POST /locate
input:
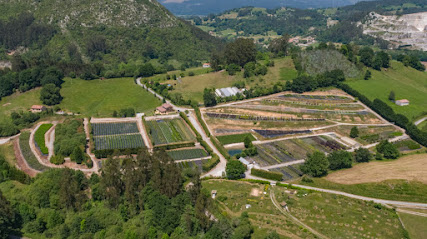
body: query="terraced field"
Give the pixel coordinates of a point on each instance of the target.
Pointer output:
(117, 136)
(169, 131)
(187, 154)
(39, 138)
(293, 149)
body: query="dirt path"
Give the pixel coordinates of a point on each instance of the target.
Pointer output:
(143, 132)
(412, 167)
(420, 121)
(21, 163)
(294, 219)
(95, 168)
(283, 164)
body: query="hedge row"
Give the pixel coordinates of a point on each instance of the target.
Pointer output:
(199, 117)
(267, 174)
(255, 181)
(186, 119)
(388, 113)
(211, 163)
(175, 145)
(220, 148)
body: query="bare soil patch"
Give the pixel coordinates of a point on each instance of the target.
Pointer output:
(412, 167)
(256, 192)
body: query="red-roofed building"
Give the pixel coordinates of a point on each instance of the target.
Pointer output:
(38, 108)
(164, 109)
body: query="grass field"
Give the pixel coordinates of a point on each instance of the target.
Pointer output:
(18, 102)
(333, 216)
(234, 138)
(8, 152)
(412, 168)
(99, 98)
(407, 83)
(39, 137)
(341, 217)
(28, 154)
(400, 190)
(191, 87)
(416, 225)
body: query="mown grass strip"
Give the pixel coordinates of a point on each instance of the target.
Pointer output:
(234, 138)
(39, 137)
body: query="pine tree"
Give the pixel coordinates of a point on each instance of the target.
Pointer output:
(354, 133)
(392, 96)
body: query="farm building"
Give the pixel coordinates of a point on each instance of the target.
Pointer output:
(38, 108)
(213, 193)
(402, 102)
(164, 109)
(207, 65)
(227, 92)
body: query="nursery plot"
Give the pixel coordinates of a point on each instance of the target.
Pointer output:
(290, 172)
(169, 131)
(187, 154)
(323, 143)
(114, 128)
(125, 141)
(193, 164)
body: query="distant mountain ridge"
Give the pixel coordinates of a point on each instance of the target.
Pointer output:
(205, 7)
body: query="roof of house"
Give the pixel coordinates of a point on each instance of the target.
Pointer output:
(213, 191)
(283, 204)
(166, 106)
(206, 64)
(161, 109)
(37, 107)
(403, 101)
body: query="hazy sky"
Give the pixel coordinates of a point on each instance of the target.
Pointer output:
(174, 1)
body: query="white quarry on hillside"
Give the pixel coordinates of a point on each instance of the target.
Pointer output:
(410, 29)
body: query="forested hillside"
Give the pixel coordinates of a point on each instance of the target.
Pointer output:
(112, 31)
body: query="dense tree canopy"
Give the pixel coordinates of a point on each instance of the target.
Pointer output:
(316, 165)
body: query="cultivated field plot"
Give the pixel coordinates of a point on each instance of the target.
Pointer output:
(114, 128)
(290, 172)
(182, 154)
(39, 138)
(117, 136)
(234, 138)
(193, 164)
(169, 131)
(123, 141)
(293, 149)
(288, 114)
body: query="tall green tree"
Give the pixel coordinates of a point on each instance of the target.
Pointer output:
(209, 97)
(240, 52)
(392, 96)
(388, 150)
(7, 217)
(235, 169)
(362, 155)
(316, 164)
(340, 159)
(354, 132)
(50, 95)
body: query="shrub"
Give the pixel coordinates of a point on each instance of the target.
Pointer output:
(276, 176)
(362, 155)
(57, 159)
(340, 159)
(388, 150)
(354, 132)
(316, 165)
(211, 163)
(235, 169)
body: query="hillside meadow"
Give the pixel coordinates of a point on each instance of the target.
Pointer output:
(18, 102)
(406, 82)
(191, 87)
(99, 98)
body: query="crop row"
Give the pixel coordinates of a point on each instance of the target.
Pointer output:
(198, 164)
(289, 172)
(259, 118)
(24, 144)
(187, 154)
(114, 128)
(118, 141)
(169, 131)
(39, 137)
(315, 97)
(277, 133)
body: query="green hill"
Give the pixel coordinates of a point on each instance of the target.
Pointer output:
(113, 31)
(406, 82)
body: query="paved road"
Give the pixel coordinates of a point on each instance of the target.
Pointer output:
(420, 121)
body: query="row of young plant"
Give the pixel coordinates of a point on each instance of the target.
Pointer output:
(388, 113)
(211, 163)
(276, 176)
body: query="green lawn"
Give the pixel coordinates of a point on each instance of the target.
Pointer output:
(18, 102)
(400, 190)
(423, 126)
(406, 82)
(39, 137)
(99, 98)
(234, 138)
(416, 225)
